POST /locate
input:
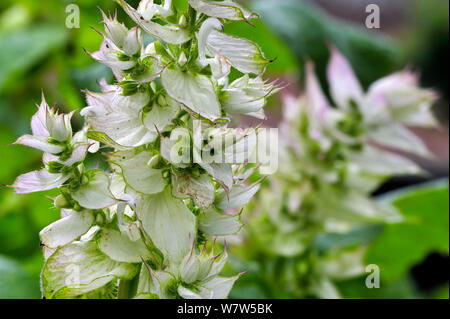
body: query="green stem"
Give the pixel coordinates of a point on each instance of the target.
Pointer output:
(124, 289)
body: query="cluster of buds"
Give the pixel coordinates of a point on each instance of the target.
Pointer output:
(145, 228)
(332, 158)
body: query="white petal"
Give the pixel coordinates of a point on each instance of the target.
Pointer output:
(184, 87)
(169, 223)
(80, 267)
(168, 33)
(226, 9)
(344, 84)
(242, 54)
(202, 37)
(400, 138)
(133, 41)
(199, 189)
(215, 223)
(95, 194)
(38, 181)
(67, 229)
(239, 196)
(138, 174)
(38, 121)
(78, 154)
(378, 162)
(316, 98)
(187, 293)
(59, 126)
(40, 143)
(119, 117)
(119, 247)
(217, 288)
(161, 115)
(399, 98)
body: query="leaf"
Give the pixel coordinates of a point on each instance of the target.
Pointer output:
(16, 282)
(372, 55)
(426, 230)
(273, 47)
(22, 49)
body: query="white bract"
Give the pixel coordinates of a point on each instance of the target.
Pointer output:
(146, 217)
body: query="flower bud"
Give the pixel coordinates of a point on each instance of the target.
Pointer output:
(182, 22)
(162, 100)
(61, 202)
(129, 87)
(84, 180)
(154, 161)
(182, 60)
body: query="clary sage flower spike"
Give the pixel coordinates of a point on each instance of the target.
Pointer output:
(146, 227)
(332, 158)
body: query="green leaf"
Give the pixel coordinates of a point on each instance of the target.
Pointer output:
(425, 230)
(24, 48)
(307, 30)
(16, 282)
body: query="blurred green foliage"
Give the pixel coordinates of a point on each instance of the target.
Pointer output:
(372, 55)
(426, 230)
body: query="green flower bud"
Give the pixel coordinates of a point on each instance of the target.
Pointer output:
(54, 167)
(84, 180)
(61, 202)
(154, 161)
(129, 87)
(182, 22)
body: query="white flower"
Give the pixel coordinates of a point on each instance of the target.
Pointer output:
(143, 17)
(121, 47)
(199, 273)
(226, 9)
(50, 130)
(129, 120)
(240, 53)
(184, 87)
(155, 202)
(247, 96)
